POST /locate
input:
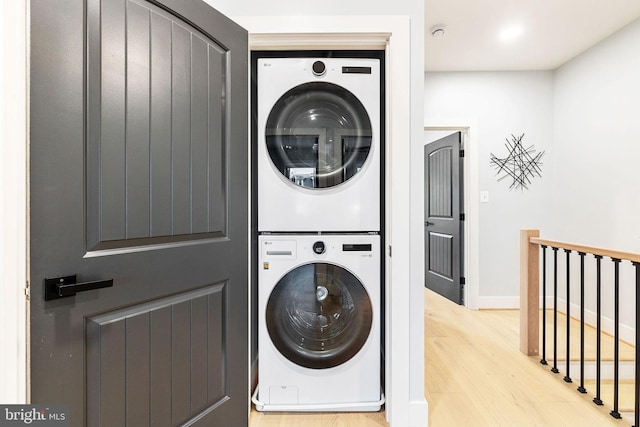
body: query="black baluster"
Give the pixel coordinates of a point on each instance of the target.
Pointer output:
(597, 399)
(616, 337)
(544, 305)
(567, 377)
(637, 384)
(581, 389)
(555, 311)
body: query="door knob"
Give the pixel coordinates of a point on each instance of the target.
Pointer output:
(66, 286)
(427, 223)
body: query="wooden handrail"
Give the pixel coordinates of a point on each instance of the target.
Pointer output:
(630, 256)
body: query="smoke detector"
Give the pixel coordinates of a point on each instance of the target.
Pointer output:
(437, 30)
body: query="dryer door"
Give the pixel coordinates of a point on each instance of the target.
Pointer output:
(319, 315)
(318, 135)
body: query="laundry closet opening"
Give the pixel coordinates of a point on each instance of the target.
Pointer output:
(318, 297)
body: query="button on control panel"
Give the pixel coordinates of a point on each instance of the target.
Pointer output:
(319, 247)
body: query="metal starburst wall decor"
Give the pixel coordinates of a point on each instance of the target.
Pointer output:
(520, 165)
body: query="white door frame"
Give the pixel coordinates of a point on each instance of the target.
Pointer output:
(13, 200)
(468, 128)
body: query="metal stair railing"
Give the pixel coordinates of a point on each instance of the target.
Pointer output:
(531, 245)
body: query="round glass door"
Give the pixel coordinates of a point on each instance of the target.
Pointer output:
(319, 315)
(318, 135)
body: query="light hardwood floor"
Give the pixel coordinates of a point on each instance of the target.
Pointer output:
(475, 376)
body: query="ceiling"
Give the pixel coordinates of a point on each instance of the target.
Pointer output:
(550, 33)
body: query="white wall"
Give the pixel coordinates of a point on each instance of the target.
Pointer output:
(434, 135)
(499, 104)
(597, 143)
(596, 155)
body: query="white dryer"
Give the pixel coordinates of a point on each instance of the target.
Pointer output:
(319, 144)
(319, 323)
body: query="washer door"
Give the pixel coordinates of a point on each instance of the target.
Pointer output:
(319, 315)
(318, 135)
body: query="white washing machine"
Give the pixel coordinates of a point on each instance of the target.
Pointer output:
(318, 144)
(319, 323)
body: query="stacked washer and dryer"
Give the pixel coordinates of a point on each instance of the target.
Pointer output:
(319, 145)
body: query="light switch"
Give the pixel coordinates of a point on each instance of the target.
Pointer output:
(484, 197)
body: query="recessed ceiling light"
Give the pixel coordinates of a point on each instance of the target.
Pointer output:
(511, 33)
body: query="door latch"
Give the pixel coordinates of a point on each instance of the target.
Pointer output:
(67, 286)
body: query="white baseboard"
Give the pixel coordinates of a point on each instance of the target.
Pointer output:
(488, 303)
(419, 413)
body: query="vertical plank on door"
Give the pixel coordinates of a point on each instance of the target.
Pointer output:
(113, 374)
(137, 122)
(112, 121)
(161, 210)
(181, 129)
(216, 343)
(199, 368)
(181, 363)
(199, 135)
(137, 369)
(161, 385)
(216, 153)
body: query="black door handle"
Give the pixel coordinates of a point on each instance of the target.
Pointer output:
(427, 223)
(66, 286)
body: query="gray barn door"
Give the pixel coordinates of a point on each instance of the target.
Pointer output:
(444, 218)
(138, 115)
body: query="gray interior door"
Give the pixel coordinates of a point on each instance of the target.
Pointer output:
(444, 218)
(138, 116)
